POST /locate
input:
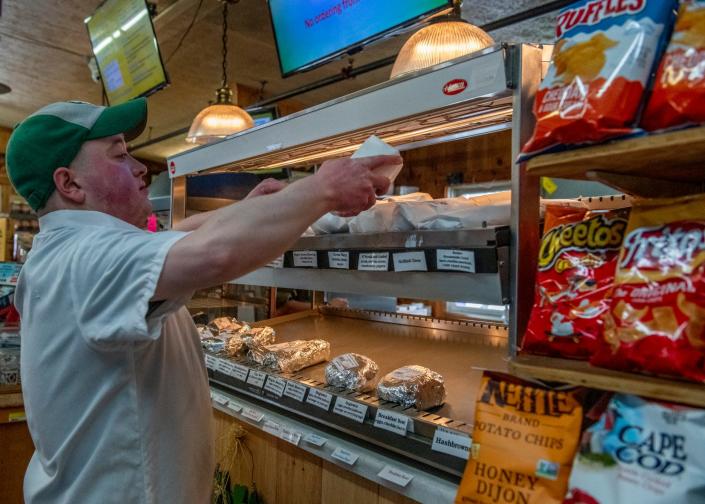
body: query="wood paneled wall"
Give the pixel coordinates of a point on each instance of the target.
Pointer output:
(285, 474)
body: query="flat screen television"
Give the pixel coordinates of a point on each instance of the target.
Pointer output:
(126, 50)
(309, 33)
(263, 115)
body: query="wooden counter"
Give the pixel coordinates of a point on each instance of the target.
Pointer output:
(16, 445)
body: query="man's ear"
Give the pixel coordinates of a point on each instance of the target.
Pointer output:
(67, 185)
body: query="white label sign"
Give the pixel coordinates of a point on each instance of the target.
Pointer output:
(211, 362)
(275, 385)
(219, 398)
(410, 261)
(252, 414)
(290, 435)
(256, 378)
(319, 398)
(339, 260)
(345, 456)
(392, 422)
(305, 259)
(234, 406)
(232, 369)
(373, 261)
(350, 409)
(455, 260)
(277, 263)
(396, 476)
(295, 390)
(315, 440)
(272, 428)
(451, 442)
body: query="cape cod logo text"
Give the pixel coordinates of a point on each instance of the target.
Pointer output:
(593, 12)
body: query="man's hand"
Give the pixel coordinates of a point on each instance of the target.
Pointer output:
(267, 186)
(352, 184)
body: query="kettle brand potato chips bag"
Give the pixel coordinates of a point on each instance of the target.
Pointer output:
(524, 440)
(656, 321)
(600, 67)
(577, 259)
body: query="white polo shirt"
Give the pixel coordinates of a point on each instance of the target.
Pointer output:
(117, 398)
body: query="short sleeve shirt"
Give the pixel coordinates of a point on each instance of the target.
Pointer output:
(115, 387)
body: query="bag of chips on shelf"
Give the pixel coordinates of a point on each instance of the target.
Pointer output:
(656, 320)
(577, 260)
(640, 451)
(601, 63)
(678, 96)
(524, 441)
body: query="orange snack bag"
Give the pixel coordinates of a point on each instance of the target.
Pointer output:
(524, 441)
(656, 321)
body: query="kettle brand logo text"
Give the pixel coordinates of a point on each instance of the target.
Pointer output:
(593, 234)
(527, 399)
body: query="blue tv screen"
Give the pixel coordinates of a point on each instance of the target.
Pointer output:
(311, 32)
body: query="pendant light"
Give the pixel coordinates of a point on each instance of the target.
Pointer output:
(445, 38)
(224, 117)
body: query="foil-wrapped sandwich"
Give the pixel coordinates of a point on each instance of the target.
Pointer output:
(215, 345)
(413, 386)
(290, 356)
(352, 371)
(204, 332)
(226, 325)
(238, 344)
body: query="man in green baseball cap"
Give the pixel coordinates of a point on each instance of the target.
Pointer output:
(113, 375)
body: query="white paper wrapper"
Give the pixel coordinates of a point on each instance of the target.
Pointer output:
(463, 212)
(331, 224)
(352, 371)
(373, 146)
(290, 356)
(413, 386)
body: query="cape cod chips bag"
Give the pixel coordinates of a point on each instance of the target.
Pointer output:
(656, 320)
(577, 259)
(601, 63)
(679, 92)
(642, 452)
(524, 441)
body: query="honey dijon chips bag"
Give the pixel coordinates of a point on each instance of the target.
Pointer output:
(524, 441)
(656, 321)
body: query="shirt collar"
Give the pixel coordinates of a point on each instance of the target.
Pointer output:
(80, 218)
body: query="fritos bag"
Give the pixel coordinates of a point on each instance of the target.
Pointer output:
(577, 259)
(656, 321)
(604, 54)
(679, 92)
(524, 441)
(642, 452)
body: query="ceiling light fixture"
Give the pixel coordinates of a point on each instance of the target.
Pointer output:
(224, 117)
(445, 38)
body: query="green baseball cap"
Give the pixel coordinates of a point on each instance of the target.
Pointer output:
(52, 136)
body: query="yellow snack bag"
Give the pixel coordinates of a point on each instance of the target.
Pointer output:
(524, 441)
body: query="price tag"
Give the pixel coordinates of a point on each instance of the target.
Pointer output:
(339, 260)
(295, 390)
(252, 414)
(396, 476)
(315, 440)
(231, 369)
(211, 362)
(392, 422)
(373, 261)
(410, 261)
(305, 259)
(290, 435)
(345, 456)
(455, 260)
(350, 409)
(272, 428)
(219, 398)
(256, 378)
(275, 385)
(451, 442)
(234, 406)
(277, 263)
(319, 398)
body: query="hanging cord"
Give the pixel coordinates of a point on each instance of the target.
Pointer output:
(188, 29)
(225, 44)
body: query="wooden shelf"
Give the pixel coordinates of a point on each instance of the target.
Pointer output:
(673, 160)
(581, 373)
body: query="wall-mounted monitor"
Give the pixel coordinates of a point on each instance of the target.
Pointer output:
(309, 33)
(262, 115)
(126, 50)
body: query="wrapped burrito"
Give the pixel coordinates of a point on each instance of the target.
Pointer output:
(413, 386)
(238, 344)
(226, 324)
(352, 371)
(290, 356)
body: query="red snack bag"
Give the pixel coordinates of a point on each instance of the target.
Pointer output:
(679, 93)
(601, 63)
(577, 260)
(656, 321)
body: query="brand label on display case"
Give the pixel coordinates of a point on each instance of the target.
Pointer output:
(295, 390)
(319, 398)
(345, 456)
(256, 378)
(350, 409)
(252, 414)
(396, 476)
(339, 260)
(455, 260)
(211, 362)
(452, 443)
(392, 422)
(410, 261)
(305, 259)
(275, 385)
(373, 261)
(315, 440)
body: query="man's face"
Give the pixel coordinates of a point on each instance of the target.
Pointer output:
(112, 180)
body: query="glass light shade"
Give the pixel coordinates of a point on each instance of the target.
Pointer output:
(438, 42)
(218, 121)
